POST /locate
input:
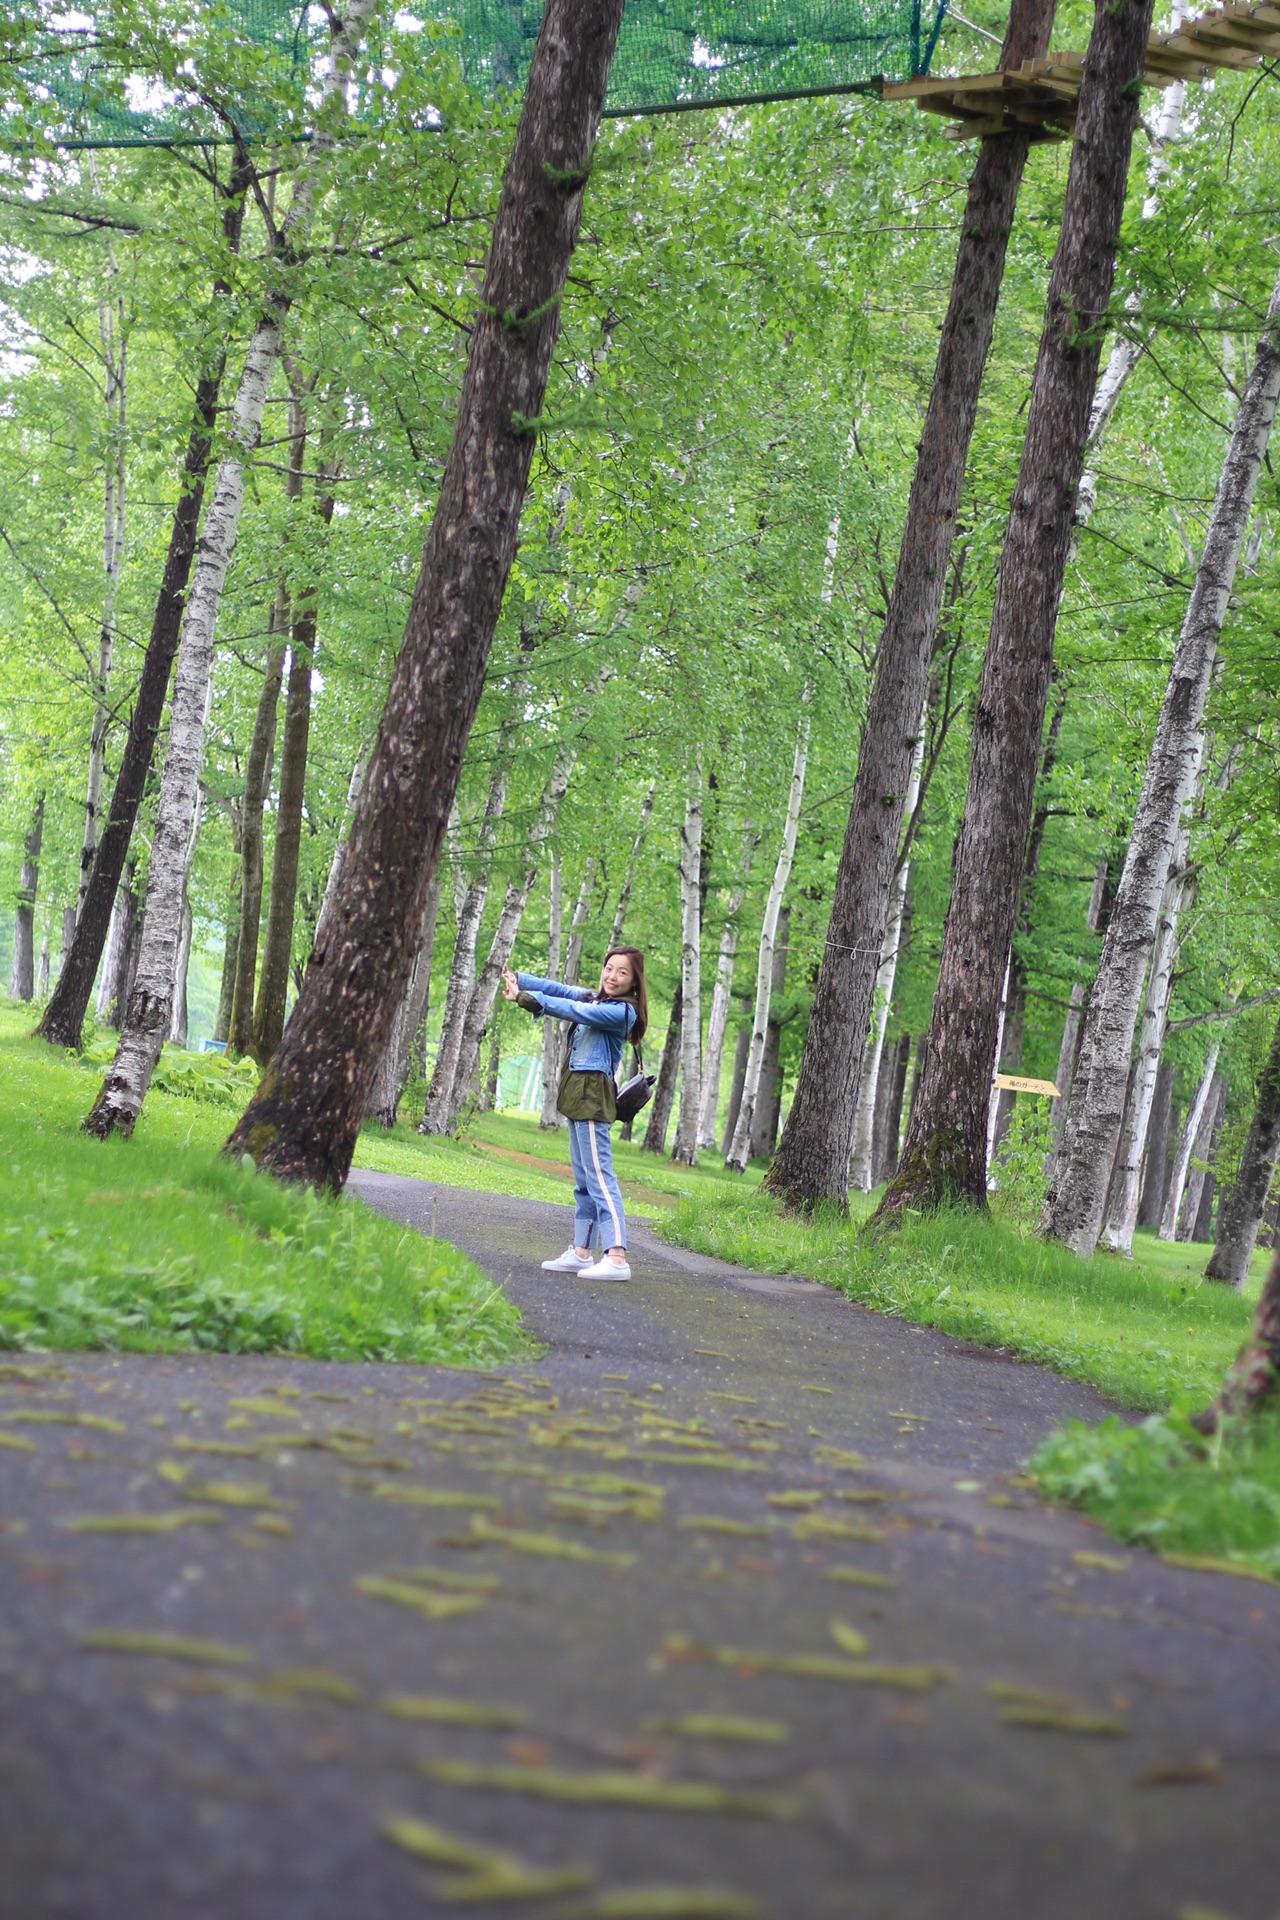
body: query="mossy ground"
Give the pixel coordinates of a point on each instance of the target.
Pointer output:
(159, 1244)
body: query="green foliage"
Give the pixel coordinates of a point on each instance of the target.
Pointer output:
(1159, 1485)
(1145, 1331)
(1020, 1165)
(159, 1244)
(208, 1077)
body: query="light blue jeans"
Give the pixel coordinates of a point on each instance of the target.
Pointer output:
(597, 1198)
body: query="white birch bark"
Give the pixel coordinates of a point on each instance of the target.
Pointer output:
(42, 970)
(740, 1149)
(504, 936)
(549, 1117)
(113, 335)
(1077, 1198)
(1186, 1146)
(861, 1170)
(578, 923)
(150, 1001)
(685, 1150)
(1071, 1025)
(993, 1099)
(178, 1021)
(718, 1019)
(633, 862)
(344, 828)
(384, 1097)
(1126, 1180)
(462, 973)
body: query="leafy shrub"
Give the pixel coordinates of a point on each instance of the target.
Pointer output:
(210, 1077)
(1020, 1167)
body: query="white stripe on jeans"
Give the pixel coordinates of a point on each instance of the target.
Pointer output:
(618, 1235)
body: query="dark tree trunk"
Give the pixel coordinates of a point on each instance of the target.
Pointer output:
(1200, 1180)
(22, 981)
(736, 1085)
(917, 1076)
(126, 948)
(257, 785)
(764, 1129)
(945, 1157)
(1255, 1372)
(489, 1098)
(1242, 1208)
(408, 1031)
(304, 1118)
(1155, 1181)
(277, 946)
(664, 1092)
(63, 1018)
(813, 1160)
(886, 1163)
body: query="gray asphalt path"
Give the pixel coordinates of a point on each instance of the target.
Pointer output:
(528, 1612)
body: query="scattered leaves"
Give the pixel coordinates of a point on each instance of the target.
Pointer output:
(486, 1873)
(547, 1545)
(613, 1789)
(164, 1646)
(433, 1606)
(145, 1522)
(452, 1713)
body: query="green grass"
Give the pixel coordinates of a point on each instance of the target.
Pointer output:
(158, 1244)
(1148, 1331)
(1158, 1485)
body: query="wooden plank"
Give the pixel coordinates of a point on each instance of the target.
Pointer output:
(1210, 50)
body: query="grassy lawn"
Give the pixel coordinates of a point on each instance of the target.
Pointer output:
(158, 1244)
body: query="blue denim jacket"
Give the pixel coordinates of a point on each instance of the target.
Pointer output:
(603, 1025)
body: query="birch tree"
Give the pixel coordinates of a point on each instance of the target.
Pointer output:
(549, 1117)
(685, 1150)
(740, 1148)
(1191, 1133)
(1240, 1213)
(721, 993)
(1077, 1198)
(147, 1019)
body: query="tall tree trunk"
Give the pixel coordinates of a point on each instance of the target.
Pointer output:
(718, 1019)
(685, 1151)
(813, 1160)
(179, 1018)
(384, 1096)
(945, 1157)
(304, 1118)
(462, 972)
(768, 1107)
(354, 785)
(1126, 1180)
(146, 1023)
(1200, 1204)
(113, 338)
(633, 862)
(1242, 1207)
(1095, 916)
(1073, 1211)
(42, 970)
(1201, 1155)
(578, 923)
(861, 1171)
(549, 1118)
(122, 956)
(486, 987)
(257, 785)
(741, 1050)
(231, 942)
(740, 1147)
(664, 1091)
(63, 1018)
(1186, 1146)
(22, 980)
(886, 1161)
(1158, 1167)
(277, 946)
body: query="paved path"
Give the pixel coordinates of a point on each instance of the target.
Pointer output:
(707, 1483)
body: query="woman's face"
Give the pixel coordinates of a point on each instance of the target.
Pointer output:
(618, 976)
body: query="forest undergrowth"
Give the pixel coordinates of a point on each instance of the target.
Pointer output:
(158, 1244)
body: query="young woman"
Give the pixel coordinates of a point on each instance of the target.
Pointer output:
(603, 1022)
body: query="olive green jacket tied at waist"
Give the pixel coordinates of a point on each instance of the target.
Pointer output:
(588, 1089)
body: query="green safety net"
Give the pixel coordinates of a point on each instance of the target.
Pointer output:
(85, 86)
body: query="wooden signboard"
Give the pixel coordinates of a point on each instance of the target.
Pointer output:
(1018, 1083)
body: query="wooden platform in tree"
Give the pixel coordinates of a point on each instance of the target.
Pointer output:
(1041, 94)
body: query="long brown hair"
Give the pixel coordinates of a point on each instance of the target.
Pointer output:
(639, 993)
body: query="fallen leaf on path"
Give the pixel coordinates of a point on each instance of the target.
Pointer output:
(605, 1483)
(723, 1726)
(796, 1499)
(145, 1522)
(675, 1903)
(829, 1526)
(453, 1713)
(743, 1399)
(721, 1523)
(434, 1606)
(596, 1511)
(613, 1789)
(806, 1666)
(413, 1496)
(17, 1443)
(455, 1582)
(1204, 1771)
(847, 1637)
(165, 1646)
(272, 1407)
(1213, 1563)
(241, 1449)
(1047, 1719)
(710, 1353)
(809, 1389)
(839, 1457)
(43, 1417)
(488, 1873)
(273, 1523)
(1104, 1562)
(235, 1493)
(549, 1545)
(859, 1577)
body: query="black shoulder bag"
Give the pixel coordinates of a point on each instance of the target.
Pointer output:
(636, 1092)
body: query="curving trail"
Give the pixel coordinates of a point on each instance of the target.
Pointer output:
(577, 1629)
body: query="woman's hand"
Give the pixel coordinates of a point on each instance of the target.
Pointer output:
(510, 985)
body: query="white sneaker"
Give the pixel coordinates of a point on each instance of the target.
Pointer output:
(605, 1269)
(570, 1261)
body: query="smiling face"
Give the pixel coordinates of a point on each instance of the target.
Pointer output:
(618, 977)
